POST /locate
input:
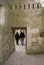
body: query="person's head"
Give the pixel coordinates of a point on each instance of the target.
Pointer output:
(21, 30)
(17, 32)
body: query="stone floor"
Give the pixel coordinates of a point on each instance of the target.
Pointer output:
(20, 58)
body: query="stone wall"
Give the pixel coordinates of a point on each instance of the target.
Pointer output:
(29, 18)
(42, 18)
(26, 17)
(37, 43)
(1, 58)
(43, 25)
(2, 19)
(6, 36)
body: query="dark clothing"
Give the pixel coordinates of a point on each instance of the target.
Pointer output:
(22, 36)
(17, 37)
(17, 42)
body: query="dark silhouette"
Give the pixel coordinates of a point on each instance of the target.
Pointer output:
(17, 38)
(22, 36)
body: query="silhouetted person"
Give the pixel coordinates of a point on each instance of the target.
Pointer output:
(17, 38)
(22, 36)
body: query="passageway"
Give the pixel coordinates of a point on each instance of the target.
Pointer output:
(27, 18)
(22, 59)
(20, 47)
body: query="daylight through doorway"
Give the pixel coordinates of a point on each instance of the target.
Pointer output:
(21, 46)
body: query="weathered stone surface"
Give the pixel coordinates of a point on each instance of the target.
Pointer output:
(29, 18)
(26, 17)
(6, 36)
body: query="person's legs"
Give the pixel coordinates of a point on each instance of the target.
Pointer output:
(22, 41)
(17, 42)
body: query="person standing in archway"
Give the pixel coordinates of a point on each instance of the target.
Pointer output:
(22, 36)
(17, 38)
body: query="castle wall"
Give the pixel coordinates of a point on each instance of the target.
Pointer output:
(23, 16)
(2, 19)
(6, 36)
(26, 17)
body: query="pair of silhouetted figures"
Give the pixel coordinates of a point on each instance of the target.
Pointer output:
(21, 36)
